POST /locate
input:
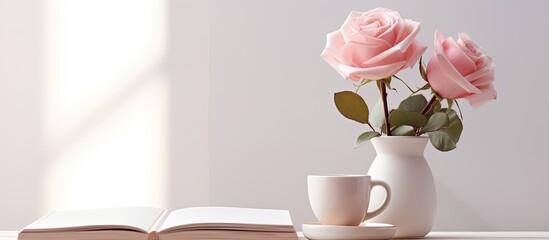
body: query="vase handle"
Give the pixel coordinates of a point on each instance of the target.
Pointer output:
(385, 202)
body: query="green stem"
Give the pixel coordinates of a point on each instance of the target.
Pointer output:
(385, 107)
(371, 127)
(459, 108)
(405, 84)
(429, 105)
(358, 87)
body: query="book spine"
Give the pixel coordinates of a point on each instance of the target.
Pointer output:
(154, 236)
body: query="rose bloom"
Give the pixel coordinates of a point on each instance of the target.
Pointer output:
(373, 45)
(461, 70)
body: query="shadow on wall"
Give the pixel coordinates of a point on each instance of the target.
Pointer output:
(21, 114)
(452, 208)
(187, 69)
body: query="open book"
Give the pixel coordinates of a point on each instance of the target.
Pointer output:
(144, 223)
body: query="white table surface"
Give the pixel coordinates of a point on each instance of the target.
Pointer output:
(480, 236)
(12, 235)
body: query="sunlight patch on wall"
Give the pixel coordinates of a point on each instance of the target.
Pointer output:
(105, 103)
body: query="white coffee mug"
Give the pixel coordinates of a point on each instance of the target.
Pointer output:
(343, 199)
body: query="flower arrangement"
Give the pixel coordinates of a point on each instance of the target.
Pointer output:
(373, 46)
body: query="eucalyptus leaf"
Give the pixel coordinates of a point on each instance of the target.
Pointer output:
(400, 117)
(455, 126)
(414, 103)
(377, 117)
(364, 137)
(436, 122)
(442, 140)
(403, 130)
(352, 106)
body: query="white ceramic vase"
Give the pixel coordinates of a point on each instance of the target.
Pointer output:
(401, 164)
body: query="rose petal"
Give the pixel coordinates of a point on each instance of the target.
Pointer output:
(373, 73)
(394, 56)
(388, 34)
(349, 27)
(397, 49)
(330, 59)
(458, 58)
(369, 40)
(484, 80)
(482, 76)
(462, 43)
(488, 93)
(441, 83)
(409, 33)
(376, 10)
(464, 38)
(414, 53)
(357, 53)
(334, 42)
(399, 28)
(331, 53)
(450, 71)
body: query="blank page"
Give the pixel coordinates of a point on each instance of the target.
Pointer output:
(136, 218)
(205, 215)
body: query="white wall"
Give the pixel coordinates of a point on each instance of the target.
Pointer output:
(22, 159)
(272, 120)
(247, 109)
(103, 103)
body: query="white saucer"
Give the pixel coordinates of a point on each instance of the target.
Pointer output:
(366, 231)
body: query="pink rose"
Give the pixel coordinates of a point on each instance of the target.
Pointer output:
(461, 70)
(373, 45)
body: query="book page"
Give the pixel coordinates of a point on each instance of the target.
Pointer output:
(131, 218)
(226, 215)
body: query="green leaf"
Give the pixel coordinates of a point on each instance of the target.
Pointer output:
(364, 137)
(400, 117)
(435, 122)
(422, 69)
(414, 103)
(351, 106)
(425, 87)
(377, 117)
(442, 140)
(384, 129)
(403, 130)
(455, 126)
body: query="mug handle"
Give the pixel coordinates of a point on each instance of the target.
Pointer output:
(385, 202)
